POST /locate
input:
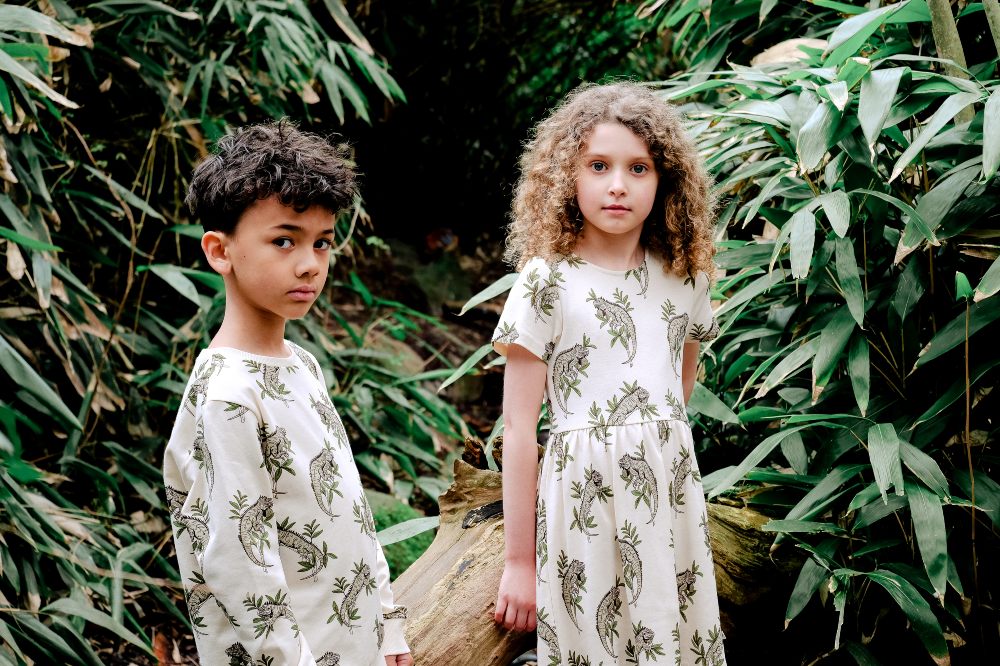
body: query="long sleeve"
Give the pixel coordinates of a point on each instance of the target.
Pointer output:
(393, 615)
(241, 566)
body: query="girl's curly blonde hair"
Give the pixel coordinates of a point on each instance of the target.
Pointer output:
(546, 220)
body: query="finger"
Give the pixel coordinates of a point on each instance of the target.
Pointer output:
(510, 617)
(390, 660)
(522, 620)
(532, 620)
(501, 609)
(405, 660)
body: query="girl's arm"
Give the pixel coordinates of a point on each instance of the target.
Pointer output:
(689, 368)
(523, 388)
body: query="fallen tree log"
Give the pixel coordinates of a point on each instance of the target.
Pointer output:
(450, 592)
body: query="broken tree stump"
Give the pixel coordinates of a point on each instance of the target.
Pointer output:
(450, 592)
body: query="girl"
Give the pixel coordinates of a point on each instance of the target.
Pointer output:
(612, 233)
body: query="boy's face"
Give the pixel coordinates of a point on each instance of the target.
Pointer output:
(615, 181)
(276, 261)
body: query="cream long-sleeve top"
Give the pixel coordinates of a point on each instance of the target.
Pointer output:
(274, 537)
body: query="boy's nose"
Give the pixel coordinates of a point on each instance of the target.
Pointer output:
(308, 263)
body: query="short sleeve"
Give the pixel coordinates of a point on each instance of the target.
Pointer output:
(702, 326)
(532, 316)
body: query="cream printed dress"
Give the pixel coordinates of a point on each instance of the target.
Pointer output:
(274, 536)
(624, 563)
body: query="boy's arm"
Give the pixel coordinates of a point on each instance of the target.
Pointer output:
(393, 616)
(240, 563)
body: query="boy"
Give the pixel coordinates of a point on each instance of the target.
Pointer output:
(274, 537)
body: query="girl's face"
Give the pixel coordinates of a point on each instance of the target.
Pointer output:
(616, 181)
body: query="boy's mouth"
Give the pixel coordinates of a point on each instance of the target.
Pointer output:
(303, 293)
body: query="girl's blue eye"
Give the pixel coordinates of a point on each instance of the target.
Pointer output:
(282, 243)
(323, 244)
(640, 169)
(598, 166)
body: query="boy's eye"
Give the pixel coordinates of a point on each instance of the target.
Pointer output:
(323, 244)
(282, 243)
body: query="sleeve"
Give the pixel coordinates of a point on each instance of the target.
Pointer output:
(393, 615)
(532, 315)
(702, 326)
(240, 565)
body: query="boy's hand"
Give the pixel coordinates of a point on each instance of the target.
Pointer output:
(399, 659)
(516, 598)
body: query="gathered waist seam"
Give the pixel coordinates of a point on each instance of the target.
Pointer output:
(561, 431)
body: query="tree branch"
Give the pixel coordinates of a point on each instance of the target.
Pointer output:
(992, 8)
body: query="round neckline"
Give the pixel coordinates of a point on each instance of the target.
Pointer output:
(612, 271)
(272, 360)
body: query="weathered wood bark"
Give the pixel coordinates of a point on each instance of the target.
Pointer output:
(451, 590)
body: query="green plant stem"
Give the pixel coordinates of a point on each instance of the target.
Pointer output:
(968, 451)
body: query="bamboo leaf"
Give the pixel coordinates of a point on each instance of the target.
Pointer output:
(832, 341)
(929, 528)
(909, 289)
(24, 377)
(794, 450)
(499, 287)
(924, 468)
(850, 280)
(407, 529)
(816, 136)
(802, 527)
(789, 364)
(860, 370)
(801, 241)
(948, 110)
(917, 610)
(991, 135)
(467, 365)
(16, 69)
(848, 38)
(953, 334)
(837, 206)
(914, 217)
(811, 576)
(883, 450)
(878, 91)
(990, 284)
(75, 608)
(175, 277)
(703, 401)
(14, 18)
(340, 14)
(720, 483)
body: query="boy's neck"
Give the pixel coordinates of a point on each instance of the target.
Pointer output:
(263, 336)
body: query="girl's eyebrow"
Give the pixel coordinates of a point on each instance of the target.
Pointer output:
(631, 158)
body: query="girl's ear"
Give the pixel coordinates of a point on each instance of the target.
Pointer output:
(215, 245)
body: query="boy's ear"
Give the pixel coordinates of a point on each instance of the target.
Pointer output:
(215, 245)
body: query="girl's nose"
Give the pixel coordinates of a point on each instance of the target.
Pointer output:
(617, 184)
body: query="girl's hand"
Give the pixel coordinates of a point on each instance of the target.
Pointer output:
(516, 597)
(399, 659)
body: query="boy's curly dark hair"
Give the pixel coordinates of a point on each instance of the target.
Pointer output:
(544, 220)
(255, 162)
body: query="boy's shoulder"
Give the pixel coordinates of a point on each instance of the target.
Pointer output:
(238, 377)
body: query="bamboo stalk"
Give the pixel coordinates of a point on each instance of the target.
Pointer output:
(949, 46)
(992, 8)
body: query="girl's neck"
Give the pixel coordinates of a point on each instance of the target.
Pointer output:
(613, 252)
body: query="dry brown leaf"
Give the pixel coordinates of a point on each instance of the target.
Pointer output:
(15, 261)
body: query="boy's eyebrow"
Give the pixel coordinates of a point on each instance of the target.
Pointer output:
(295, 227)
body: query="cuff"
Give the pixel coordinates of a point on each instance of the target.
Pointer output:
(394, 641)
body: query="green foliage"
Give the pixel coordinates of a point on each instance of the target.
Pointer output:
(105, 109)
(388, 512)
(855, 211)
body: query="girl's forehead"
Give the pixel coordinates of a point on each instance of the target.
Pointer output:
(613, 136)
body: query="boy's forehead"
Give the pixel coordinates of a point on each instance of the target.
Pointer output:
(270, 212)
